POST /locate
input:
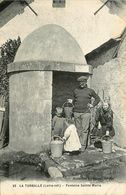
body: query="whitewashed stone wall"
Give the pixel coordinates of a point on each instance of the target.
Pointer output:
(30, 99)
(111, 77)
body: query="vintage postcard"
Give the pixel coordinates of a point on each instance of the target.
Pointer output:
(62, 97)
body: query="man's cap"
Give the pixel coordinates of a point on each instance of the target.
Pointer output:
(82, 78)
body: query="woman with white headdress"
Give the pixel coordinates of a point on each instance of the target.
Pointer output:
(104, 117)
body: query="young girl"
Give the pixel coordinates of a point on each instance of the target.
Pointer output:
(71, 138)
(58, 122)
(65, 128)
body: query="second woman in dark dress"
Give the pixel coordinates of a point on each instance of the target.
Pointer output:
(104, 117)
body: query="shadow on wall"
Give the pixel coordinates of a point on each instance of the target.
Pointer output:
(9, 12)
(117, 7)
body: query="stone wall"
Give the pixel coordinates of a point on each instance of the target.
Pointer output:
(109, 80)
(122, 49)
(30, 110)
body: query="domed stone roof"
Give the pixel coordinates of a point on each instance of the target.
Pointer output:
(50, 43)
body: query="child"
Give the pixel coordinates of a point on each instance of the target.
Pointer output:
(71, 139)
(58, 122)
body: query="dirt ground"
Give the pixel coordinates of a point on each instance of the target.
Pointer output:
(91, 165)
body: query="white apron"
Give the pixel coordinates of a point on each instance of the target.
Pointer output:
(72, 140)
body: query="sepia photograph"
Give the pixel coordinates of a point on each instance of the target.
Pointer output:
(62, 97)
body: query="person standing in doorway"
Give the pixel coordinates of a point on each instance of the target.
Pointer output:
(82, 109)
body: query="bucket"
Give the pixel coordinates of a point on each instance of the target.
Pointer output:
(107, 146)
(56, 148)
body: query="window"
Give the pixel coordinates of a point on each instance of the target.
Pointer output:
(59, 3)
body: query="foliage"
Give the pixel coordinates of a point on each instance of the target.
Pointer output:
(7, 53)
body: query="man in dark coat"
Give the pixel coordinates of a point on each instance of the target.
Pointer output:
(82, 107)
